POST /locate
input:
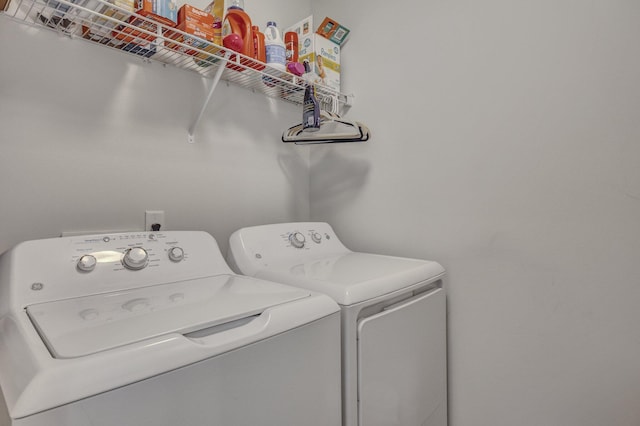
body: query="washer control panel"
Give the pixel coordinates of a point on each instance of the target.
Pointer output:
(129, 251)
(57, 268)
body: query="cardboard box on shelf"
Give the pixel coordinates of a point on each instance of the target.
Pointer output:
(324, 57)
(145, 50)
(327, 27)
(147, 21)
(333, 31)
(121, 12)
(209, 57)
(190, 13)
(202, 35)
(322, 54)
(165, 8)
(302, 28)
(340, 35)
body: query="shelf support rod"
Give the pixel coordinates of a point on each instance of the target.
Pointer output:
(214, 83)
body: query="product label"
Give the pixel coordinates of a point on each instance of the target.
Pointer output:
(310, 116)
(331, 54)
(276, 54)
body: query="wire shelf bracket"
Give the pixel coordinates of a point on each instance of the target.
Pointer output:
(214, 84)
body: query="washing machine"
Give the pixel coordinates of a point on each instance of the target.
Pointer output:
(155, 329)
(393, 313)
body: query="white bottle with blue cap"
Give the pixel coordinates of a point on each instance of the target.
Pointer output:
(274, 47)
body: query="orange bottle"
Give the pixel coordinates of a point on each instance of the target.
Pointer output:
(238, 22)
(259, 52)
(291, 46)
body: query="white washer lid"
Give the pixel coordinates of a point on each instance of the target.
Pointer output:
(353, 277)
(85, 325)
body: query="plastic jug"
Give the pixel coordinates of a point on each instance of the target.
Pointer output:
(258, 48)
(274, 47)
(238, 22)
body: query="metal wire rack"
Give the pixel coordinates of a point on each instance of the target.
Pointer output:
(110, 25)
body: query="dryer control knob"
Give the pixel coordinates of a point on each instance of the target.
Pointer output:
(297, 240)
(87, 263)
(317, 238)
(135, 258)
(176, 254)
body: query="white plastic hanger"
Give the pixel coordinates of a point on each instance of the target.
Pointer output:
(333, 129)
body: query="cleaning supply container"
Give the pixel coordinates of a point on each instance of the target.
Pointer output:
(238, 22)
(274, 47)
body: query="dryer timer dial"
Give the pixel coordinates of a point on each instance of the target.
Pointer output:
(297, 240)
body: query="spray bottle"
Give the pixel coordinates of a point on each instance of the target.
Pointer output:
(310, 110)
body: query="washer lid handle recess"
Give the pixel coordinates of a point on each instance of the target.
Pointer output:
(83, 326)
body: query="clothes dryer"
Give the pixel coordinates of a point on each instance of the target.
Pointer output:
(138, 329)
(393, 318)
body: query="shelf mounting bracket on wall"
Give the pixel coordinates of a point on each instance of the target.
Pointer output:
(214, 83)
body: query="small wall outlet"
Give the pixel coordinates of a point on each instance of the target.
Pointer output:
(154, 217)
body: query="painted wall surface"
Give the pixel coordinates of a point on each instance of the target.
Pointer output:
(91, 138)
(506, 146)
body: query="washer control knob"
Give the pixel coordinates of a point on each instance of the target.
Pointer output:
(89, 314)
(176, 254)
(136, 305)
(176, 297)
(135, 258)
(317, 238)
(87, 263)
(297, 240)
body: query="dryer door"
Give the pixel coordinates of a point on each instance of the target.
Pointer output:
(402, 364)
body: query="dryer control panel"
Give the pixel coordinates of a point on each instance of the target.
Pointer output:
(302, 238)
(253, 248)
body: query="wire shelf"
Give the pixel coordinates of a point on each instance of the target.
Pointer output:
(116, 27)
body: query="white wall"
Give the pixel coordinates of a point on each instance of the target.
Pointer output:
(91, 138)
(506, 146)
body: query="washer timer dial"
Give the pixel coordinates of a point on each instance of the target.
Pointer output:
(135, 258)
(87, 263)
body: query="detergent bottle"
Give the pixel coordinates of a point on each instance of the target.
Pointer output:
(238, 22)
(258, 47)
(274, 47)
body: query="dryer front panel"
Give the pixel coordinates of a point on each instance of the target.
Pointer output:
(402, 363)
